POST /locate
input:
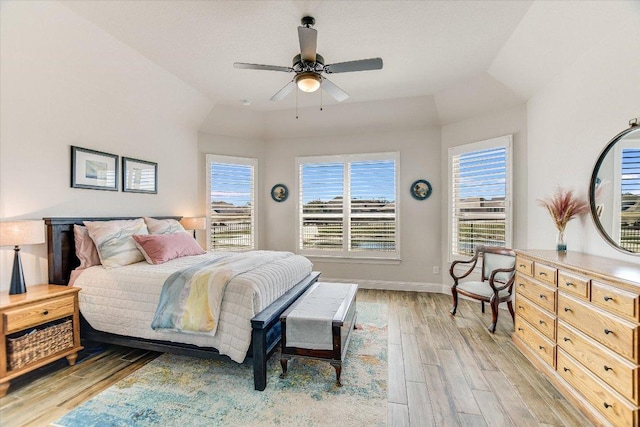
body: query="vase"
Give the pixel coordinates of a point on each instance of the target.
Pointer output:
(561, 243)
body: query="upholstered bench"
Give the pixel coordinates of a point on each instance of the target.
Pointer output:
(318, 325)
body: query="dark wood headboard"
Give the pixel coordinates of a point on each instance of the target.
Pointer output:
(61, 248)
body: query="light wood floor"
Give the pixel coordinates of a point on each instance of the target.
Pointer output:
(443, 371)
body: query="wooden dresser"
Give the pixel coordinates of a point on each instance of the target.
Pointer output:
(578, 321)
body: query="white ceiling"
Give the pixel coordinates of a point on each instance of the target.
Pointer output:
(467, 54)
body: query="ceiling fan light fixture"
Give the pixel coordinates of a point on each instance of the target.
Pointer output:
(308, 82)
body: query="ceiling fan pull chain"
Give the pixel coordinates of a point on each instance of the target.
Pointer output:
(296, 102)
(320, 94)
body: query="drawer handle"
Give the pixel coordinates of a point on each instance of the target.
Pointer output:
(541, 347)
(607, 368)
(44, 313)
(606, 298)
(566, 339)
(521, 307)
(606, 405)
(569, 284)
(543, 296)
(542, 273)
(566, 369)
(567, 309)
(522, 266)
(542, 322)
(520, 284)
(608, 331)
(520, 329)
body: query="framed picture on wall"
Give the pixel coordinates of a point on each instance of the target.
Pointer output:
(139, 176)
(93, 170)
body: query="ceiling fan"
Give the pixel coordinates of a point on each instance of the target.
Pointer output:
(309, 66)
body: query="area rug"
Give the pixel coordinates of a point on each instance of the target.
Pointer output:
(183, 391)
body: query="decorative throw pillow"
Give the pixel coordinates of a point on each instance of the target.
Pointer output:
(85, 248)
(163, 226)
(160, 248)
(113, 240)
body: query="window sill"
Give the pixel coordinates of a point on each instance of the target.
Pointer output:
(353, 260)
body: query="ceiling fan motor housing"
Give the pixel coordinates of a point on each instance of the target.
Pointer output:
(308, 21)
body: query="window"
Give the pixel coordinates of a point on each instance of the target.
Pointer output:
(479, 196)
(630, 200)
(347, 206)
(231, 202)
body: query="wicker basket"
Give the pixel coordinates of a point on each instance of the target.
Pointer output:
(37, 345)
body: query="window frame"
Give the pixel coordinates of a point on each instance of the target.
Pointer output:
(236, 160)
(505, 141)
(346, 253)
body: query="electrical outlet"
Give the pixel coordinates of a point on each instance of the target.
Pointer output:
(436, 269)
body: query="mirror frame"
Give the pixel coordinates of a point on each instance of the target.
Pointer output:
(592, 188)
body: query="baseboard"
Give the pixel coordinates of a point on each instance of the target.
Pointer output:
(394, 286)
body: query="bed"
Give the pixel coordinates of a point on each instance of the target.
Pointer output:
(264, 326)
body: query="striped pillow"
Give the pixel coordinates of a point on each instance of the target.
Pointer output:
(163, 226)
(113, 240)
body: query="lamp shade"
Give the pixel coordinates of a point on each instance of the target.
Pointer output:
(16, 233)
(196, 223)
(308, 82)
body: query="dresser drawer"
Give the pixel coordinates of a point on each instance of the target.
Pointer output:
(540, 319)
(524, 266)
(540, 345)
(544, 296)
(615, 300)
(37, 314)
(618, 334)
(617, 372)
(613, 406)
(545, 273)
(574, 284)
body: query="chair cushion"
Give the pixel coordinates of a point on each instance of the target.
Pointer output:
(480, 288)
(494, 261)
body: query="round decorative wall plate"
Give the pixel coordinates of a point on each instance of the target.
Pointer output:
(421, 189)
(279, 192)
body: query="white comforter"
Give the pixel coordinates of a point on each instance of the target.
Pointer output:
(123, 300)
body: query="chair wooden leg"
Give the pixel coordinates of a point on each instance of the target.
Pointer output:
(494, 314)
(454, 295)
(482, 304)
(510, 306)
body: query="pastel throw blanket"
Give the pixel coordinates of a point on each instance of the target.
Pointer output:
(191, 298)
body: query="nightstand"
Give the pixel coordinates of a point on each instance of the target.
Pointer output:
(37, 328)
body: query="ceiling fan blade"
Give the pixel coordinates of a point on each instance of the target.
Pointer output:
(308, 43)
(286, 90)
(334, 90)
(246, 66)
(349, 66)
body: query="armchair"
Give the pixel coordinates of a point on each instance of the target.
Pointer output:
(496, 281)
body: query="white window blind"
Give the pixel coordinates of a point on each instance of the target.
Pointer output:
(347, 205)
(480, 195)
(630, 200)
(231, 202)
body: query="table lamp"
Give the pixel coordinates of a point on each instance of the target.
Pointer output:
(197, 223)
(16, 233)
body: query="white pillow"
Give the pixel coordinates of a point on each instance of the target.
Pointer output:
(113, 240)
(163, 226)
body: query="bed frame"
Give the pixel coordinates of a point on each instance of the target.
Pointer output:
(265, 325)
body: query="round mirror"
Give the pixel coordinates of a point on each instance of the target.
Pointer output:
(614, 192)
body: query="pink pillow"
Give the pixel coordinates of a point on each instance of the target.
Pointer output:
(160, 248)
(86, 250)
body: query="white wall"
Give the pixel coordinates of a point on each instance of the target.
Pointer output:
(510, 121)
(570, 121)
(65, 82)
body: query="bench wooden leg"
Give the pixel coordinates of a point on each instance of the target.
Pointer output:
(259, 359)
(283, 363)
(338, 366)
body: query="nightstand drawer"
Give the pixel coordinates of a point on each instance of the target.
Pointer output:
(37, 314)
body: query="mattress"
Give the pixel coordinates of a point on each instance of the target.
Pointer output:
(123, 300)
